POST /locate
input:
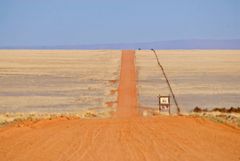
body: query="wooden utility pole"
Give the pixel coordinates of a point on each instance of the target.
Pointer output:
(168, 83)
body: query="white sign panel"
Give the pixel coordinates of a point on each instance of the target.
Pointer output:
(164, 100)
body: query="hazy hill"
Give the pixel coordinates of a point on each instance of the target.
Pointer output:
(168, 45)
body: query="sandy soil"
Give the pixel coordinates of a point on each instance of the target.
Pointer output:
(203, 78)
(157, 138)
(58, 80)
(127, 92)
(124, 137)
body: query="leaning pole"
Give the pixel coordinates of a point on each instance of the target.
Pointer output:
(168, 83)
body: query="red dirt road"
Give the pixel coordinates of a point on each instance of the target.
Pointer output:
(123, 137)
(138, 139)
(127, 92)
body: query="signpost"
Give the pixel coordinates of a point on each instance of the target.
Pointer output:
(168, 83)
(164, 103)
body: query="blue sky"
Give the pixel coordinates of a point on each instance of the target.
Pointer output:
(71, 22)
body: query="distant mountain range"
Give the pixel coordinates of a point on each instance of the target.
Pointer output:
(164, 45)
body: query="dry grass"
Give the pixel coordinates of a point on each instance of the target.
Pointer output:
(232, 119)
(57, 81)
(198, 78)
(35, 116)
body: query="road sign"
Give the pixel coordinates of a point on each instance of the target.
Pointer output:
(164, 103)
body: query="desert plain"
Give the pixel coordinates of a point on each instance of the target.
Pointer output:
(114, 86)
